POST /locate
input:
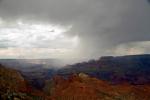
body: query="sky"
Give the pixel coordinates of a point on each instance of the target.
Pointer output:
(74, 30)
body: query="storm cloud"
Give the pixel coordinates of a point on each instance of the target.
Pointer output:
(102, 26)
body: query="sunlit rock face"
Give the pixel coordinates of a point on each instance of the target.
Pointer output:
(77, 87)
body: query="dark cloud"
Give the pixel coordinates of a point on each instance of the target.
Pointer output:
(100, 24)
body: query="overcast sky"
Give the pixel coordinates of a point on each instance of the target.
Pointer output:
(73, 29)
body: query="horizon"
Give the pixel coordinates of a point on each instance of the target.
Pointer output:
(63, 63)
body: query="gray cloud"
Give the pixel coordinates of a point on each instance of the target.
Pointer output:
(100, 24)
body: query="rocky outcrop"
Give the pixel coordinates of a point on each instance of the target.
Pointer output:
(11, 83)
(14, 87)
(82, 87)
(134, 68)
